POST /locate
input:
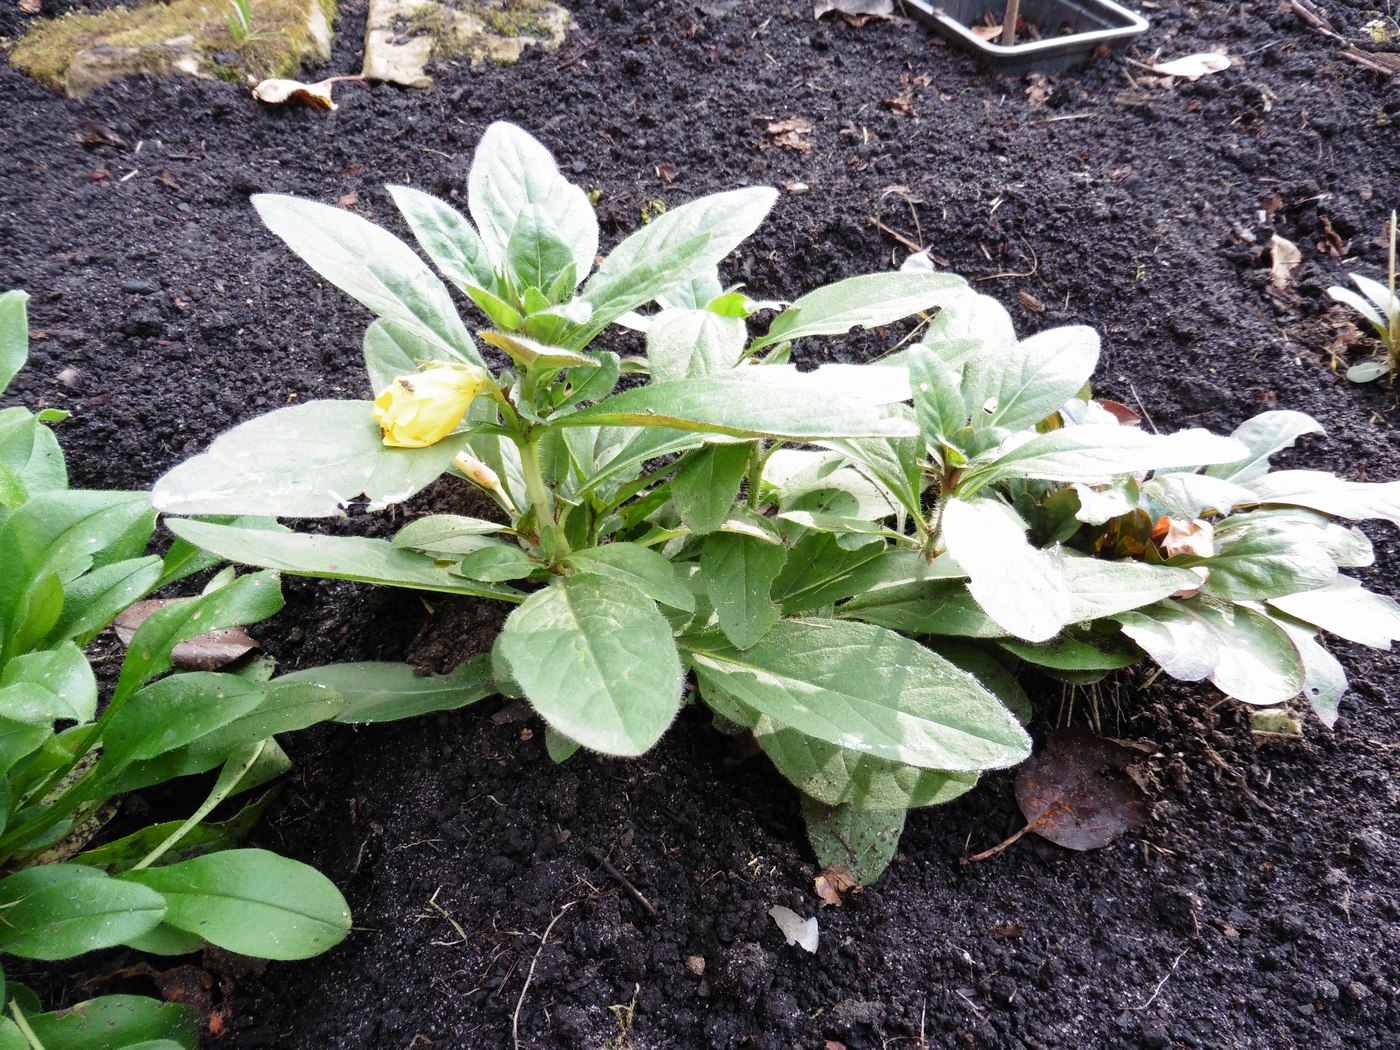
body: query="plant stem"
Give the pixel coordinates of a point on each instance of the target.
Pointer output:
(1008, 24)
(23, 1023)
(540, 497)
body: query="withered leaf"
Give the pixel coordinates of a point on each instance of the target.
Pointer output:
(1126, 416)
(1286, 259)
(1193, 67)
(278, 92)
(795, 929)
(833, 883)
(900, 104)
(667, 172)
(30, 7)
(206, 652)
(788, 134)
(1075, 791)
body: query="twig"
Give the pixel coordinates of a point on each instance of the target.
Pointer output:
(903, 240)
(626, 884)
(1008, 22)
(1240, 781)
(1035, 265)
(530, 975)
(1155, 991)
(1040, 821)
(1315, 19)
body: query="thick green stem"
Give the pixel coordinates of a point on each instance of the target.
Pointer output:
(541, 499)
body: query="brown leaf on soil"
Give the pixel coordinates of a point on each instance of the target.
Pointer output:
(1126, 416)
(1075, 791)
(667, 172)
(1037, 89)
(1331, 243)
(900, 104)
(787, 134)
(207, 652)
(168, 180)
(349, 200)
(856, 12)
(833, 883)
(277, 92)
(30, 7)
(1286, 258)
(95, 134)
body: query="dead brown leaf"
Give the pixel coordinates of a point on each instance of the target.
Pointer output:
(834, 883)
(667, 172)
(900, 104)
(986, 32)
(787, 134)
(1331, 243)
(1076, 793)
(1030, 302)
(206, 652)
(1193, 67)
(1037, 89)
(278, 92)
(1126, 416)
(1175, 536)
(168, 180)
(30, 7)
(348, 200)
(94, 134)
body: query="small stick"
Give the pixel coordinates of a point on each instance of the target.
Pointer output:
(1008, 25)
(624, 882)
(530, 975)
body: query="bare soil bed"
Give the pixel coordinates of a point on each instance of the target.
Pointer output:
(1259, 908)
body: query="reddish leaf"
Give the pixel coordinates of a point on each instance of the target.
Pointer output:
(1075, 791)
(833, 883)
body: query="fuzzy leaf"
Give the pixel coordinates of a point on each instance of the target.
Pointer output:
(1347, 609)
(867, 301)
(450, 241)
(739, 572)
(596, 659)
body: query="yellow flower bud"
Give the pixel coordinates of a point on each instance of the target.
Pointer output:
(420, 410)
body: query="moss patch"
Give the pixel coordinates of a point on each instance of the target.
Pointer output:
(508, 19)
(279, 42)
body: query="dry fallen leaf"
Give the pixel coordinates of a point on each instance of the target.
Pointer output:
(1286, 258)
(988, 33)
(667, 172)
(1193, 67)
(349, 200)
(1074, 792)
(207, 652)
(318, 95)
(1175, 536)
(1038, 89)
(900, 104)
(788, 134)
(799, 931)
(30, 7)
(833, 882)
(797, 187)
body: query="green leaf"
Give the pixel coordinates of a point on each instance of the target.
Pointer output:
(390, 351)
(745, 403)
(386, 692)
(510, 172)
(1318, 490)
(496, 564)
(1347, 609)
(374, 267)
(867, 688)
(173, 712)
(1369, 371)
(122, 853)
(61, 910)
(835, 775)
(94, 599)
(863, 841)
(445, 235)
(14, 335)
(529, 354)
(597, 660)
(334, 557)
(1101, 588)
(639, 567)
(672, 249)
(938, 401)
(1070, 654)
(252, 902)
(1035, 378)
(29, 453)
(1021, 587)
(1258, 663)
(707, 484)
(1256, 559)
(447, 534)
(1183, 645)
(559, 747)
(166, 940)
(118, 1022)
(893, 462)
(1265, 434)
(1188, 496)
(306, 461)
(739, 572)
(867, 301)
(49, 685)
(536, 254)
(1094, 453)
(287, 706)
(246, 600)
(819, 572)
(942, 607)
(686, 344)
(1324, 678)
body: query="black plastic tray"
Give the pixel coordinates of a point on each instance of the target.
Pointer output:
(1074, 30)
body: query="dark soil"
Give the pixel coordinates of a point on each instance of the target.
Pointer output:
(1258, 909)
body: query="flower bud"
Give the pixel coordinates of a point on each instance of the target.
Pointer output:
(420, 410)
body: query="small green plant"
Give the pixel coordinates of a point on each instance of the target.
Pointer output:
(239, 19)
(71, 561)
(780, 538)
(1382, 311)
(639, 535)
